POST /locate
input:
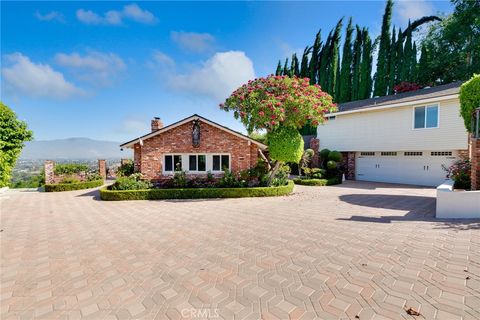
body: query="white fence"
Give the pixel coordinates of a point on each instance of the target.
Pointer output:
(457, 204)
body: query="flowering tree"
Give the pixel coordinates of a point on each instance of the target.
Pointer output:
(279, 104)
(405, 86)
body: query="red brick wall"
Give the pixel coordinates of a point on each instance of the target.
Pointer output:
(315, 146)
(348, 162)
(475, 159)
(149, 157)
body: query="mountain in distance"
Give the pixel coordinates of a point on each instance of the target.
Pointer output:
(74, 148)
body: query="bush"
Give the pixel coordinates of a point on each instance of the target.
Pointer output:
(28, 181)
(469, 99)
(285, 144)
(229, 180)
(126, 169)
(73, 186)
(281, 177)
(94, 176)
(314, 173)
(335, 156)
(70, 168)
(459, 172)
(317, 182)
(197, 193)
(69, 180)
(133, 182)
(324, 154)
(180, 179)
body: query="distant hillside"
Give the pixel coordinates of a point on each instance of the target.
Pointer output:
(73, 148)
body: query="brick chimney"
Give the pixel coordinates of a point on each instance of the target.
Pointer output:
(157, 124)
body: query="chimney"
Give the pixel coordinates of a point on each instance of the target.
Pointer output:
(157, 124)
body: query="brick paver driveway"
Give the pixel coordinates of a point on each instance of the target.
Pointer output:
(360, 250)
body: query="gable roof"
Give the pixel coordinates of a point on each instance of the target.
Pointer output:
(130, 143)
(413, 96)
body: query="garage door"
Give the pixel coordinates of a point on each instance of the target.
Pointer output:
(415, 167)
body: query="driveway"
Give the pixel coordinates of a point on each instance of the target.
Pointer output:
(355, 251)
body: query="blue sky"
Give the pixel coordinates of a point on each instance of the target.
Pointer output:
(103, 69)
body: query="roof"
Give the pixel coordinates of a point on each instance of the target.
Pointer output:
(421, 94)
(130, 143)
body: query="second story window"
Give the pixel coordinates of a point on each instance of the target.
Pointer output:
(425, 117)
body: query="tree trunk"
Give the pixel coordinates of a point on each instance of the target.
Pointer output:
(273, 173)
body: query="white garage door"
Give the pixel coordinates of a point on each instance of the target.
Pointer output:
(416, 167)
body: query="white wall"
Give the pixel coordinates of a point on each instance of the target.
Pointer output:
(392, 130)
(457, 204)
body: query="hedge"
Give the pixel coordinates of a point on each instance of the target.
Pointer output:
(73, 186)
(317, 182)
(195, 193)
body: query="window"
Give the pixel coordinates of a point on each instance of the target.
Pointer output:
(173, 162)
(388, 153)
(413, 153)
(425, 117)
(221, 162)
(367, 153)
(197, 162)
(441, 153)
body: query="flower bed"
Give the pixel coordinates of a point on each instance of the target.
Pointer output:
(195, 193)
(58, 187)
(317, 182)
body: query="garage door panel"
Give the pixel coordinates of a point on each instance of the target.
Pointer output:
(425, 169)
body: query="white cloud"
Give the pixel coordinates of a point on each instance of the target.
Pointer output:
(51, 16)
(96, 67)
(23, 76)
(113, 17)
(191, 41)
(287, 51)
(217, 77)
(412, 9)
(133, 125)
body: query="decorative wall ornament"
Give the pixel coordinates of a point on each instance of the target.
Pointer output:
(196, 133)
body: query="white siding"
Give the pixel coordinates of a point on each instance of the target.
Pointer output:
(392, 130)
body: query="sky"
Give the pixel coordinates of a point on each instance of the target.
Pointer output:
(103, 70)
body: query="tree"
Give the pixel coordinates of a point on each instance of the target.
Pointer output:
(381, 77)
(285, 68)
(393, 63)
(279, 70)
(13, 133)
(279, 105)
(469, 100)
(399, 57)
(294, 68)
(333, 54)
(346, 69)
(314, 60)
(406, 66)
(304, 72)
(356, 68)
(365, 86)
(423, 76)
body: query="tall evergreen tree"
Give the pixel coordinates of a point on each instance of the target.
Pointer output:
(334, 59)
(413, 64)
(285, 68)
(405, 69)
(393, 63)
(304, 72)
(345, 83)
(365, 87)
(399, 57)
(314, 60)
(383, 61)
(323, 63)
(279, 70)
(294, 67)
(423, 68)
(356, 65)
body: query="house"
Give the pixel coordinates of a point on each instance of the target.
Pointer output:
(403, 138)
(195, 145)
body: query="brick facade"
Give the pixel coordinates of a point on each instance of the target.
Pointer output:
(348, 163)
(315, 146)
(102, 169)
(474, 147)
(49, 167)
(148, 155)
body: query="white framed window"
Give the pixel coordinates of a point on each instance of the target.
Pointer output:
(425, 117)
(172, 162)
(197, 162)
(413, 153)
(220, 162)
(367, 153)
(388, 153)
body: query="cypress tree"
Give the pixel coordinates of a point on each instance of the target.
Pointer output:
(405, 72)
(381, 77)
(356, 65)
(323, 63)
(304, 72)
(399, 57)
(365, 88)
(413, 64)
(294, 68)
(314, 60)
(279, 70)
(345, 87)
(334, 59)
(393, 63)
(423, 68)
(285, 68)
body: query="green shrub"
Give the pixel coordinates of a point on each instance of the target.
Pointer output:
(28, 181)
(73, 186)
(180, 179)
(469, 100)
(133, 182)
(126, 169)
(94, 176)
(70, 168)
(229, 180)
(317, 182)
(314, 173)
(331, 165)
(324, 154)
(68, 180)
(285, 144)
(335, 156)
(195, 193)
(281, 177)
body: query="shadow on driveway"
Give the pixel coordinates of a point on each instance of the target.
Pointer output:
(419, 209)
